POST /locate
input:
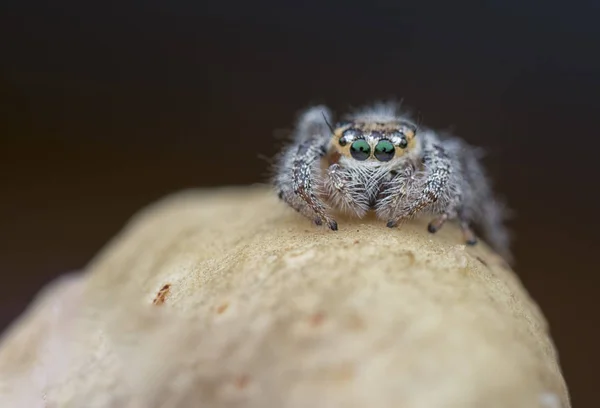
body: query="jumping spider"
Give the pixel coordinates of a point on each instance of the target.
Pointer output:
(378, 159)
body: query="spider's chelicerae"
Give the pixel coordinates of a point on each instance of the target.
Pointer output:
(378, 159)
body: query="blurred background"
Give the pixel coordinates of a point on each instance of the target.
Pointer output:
(107, 107)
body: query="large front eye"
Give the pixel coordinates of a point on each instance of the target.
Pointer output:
(384, 150)
(360, 150)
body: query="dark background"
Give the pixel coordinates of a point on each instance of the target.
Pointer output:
(107, 107)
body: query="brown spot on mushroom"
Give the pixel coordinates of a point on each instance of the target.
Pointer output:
(343, 373)
(357, 241)
(222, 308)
(482, 261)
(162, 294)
(411, 257)
(356, 323)
(317, 319)
(242, 381)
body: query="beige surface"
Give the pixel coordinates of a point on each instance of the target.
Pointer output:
(227, 298)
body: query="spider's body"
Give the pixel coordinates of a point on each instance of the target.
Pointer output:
(378, 159)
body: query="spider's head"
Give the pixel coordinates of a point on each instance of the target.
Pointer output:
(374, 141)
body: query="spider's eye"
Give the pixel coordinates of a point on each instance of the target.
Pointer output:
(400, 138)
(384, 150)
(348, 136)
(360, 150)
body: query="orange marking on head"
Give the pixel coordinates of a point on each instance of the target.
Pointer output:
(368, 127)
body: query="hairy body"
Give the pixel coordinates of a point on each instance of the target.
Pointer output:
(378, 159)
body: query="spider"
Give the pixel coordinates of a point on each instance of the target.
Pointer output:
(377, 159)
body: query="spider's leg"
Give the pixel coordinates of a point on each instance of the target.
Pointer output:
(299, 173)
(437, 223)
(468, 234)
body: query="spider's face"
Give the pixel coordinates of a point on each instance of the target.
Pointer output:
(374, 141)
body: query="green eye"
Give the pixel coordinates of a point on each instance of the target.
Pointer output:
(384, 150)
(360, 150)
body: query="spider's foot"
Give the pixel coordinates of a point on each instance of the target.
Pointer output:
(468, 234)
(437, 223)
(398, 221)
(471, 242)
(332, 224)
